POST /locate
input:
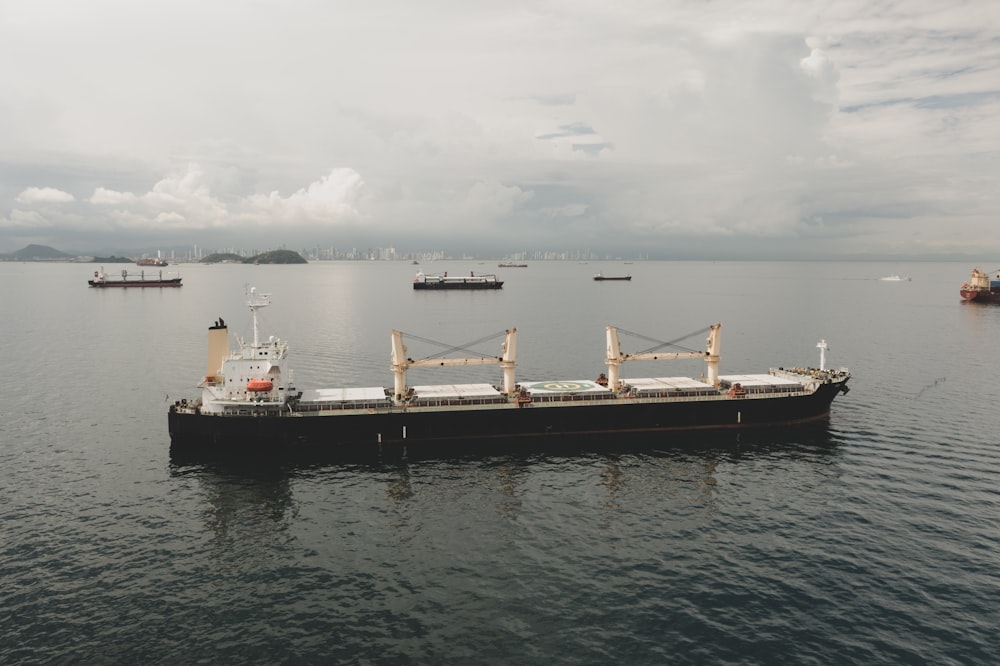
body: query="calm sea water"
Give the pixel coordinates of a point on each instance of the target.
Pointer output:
(874, 538)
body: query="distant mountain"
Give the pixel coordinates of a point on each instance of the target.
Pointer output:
(39, 253)
(223, 257)
(271, 257)
(277, 257)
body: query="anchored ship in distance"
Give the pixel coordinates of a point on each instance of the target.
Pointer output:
(101, 280)
(249, 401)
(982, 288)
(151, 261)
(445, 281)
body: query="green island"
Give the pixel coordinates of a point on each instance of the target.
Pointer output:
(269, 257)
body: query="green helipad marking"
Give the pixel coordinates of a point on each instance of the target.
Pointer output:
(563, 387)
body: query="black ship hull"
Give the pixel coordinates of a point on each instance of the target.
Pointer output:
(429, 286)
(110, 284)
(279, 432)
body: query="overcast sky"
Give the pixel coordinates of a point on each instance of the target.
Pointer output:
(723, 129)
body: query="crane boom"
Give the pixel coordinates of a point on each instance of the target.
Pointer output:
(615, 357)
(400, 363)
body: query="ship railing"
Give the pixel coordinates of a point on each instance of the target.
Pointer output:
(813, 373)
(457, 402)
(342, 406)
(711, 396)
(765, 392)
(572, 397)
(772, 391)
(673, 393)
(248, 410)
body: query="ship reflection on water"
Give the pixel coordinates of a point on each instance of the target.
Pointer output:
(259, 499)
(814, 433)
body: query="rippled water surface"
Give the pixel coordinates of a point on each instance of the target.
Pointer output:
(871, 538)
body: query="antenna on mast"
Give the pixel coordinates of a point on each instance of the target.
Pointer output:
(256, 301)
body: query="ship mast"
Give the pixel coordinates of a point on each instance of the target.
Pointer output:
(255, 302)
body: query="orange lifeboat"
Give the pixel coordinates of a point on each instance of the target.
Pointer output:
(259, 385)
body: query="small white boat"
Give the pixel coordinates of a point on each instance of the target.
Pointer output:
(895, 278)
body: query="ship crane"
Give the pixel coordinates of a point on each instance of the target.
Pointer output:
(616, 357)
(400, 362)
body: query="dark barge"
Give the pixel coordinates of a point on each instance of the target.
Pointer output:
(444, 281)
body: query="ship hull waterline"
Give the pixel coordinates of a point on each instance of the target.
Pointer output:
(414, 427)
(135, 283)
(974, 296)
(428, 286)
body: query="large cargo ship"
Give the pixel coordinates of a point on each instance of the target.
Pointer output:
(249, 402)
(445, 281)
(982, 288)
(101, 280)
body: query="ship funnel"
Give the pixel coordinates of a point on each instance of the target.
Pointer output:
(218, 348)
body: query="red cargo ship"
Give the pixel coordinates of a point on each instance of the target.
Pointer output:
(982, 288)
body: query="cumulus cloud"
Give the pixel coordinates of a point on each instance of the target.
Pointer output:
(818, 66)
(102, 196)
(42, 195)
(180, 201)
(169, 218)
(24, 220)
(182, 189)
(333, 198)
(181, 205)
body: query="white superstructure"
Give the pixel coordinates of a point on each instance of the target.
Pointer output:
(251, 374)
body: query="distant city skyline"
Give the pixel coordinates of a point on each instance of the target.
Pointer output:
(390, 253)
(196, 253)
